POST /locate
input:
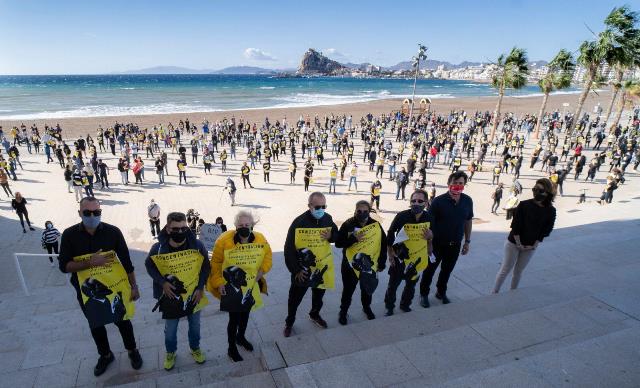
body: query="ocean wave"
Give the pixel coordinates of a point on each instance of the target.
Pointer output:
(437, 86)
(473, 85)
(552, 93)
(267, 87)
(127, 88)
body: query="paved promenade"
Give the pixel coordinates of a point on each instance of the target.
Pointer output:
(575, 321)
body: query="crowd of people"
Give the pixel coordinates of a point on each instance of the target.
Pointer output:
(432, 233)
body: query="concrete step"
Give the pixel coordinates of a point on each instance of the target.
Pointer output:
(610, 360)
(438, 357)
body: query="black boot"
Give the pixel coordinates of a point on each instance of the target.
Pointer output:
(244, 343)
(233, 354)
(342, 317)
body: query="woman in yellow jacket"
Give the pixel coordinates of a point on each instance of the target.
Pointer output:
(235, 270)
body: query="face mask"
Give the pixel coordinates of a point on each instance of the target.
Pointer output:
(244, 232)
(91, 222)
(417, 209)
(317, 214)
(178, 237)
(362, 217)
(456, 190)
(49, 226)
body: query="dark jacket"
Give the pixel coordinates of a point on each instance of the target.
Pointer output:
(532, 222)
(305, 220)
(162, 246)
(347, 239)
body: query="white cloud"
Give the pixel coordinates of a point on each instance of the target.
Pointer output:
(258, 55)
(334, 54)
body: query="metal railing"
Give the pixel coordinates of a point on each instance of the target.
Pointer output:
(23, 283)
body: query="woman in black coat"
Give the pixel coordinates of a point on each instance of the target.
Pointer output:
(19, 203)
(532, 222)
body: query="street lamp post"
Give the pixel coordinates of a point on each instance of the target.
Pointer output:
(422, 54)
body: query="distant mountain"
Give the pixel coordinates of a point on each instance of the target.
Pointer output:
(166, 70)
(238, 70)
(314, 63)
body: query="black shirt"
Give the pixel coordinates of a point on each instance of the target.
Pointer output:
(77, 242)
(532, 222)
(449, 217)
(405, 217)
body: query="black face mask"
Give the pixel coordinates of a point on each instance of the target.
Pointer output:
(540, 197)
(417, 209)
(244, 232)
(178, 237)
(362, 217)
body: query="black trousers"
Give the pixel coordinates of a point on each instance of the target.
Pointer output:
(295, 298)
(52, 247)
(237, 326)
(447, 254)
(24, 216)
(101, 339)
(245, 180)
(395, 278)
(155, 227)
(349, 283)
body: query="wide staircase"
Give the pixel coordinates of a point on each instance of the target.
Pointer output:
(575, 321)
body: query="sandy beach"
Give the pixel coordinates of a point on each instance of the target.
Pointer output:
(80, 126)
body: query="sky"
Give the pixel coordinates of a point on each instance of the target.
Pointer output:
(100, 37)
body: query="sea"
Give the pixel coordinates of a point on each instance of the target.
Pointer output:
(65, 96)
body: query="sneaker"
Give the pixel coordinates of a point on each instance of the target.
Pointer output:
(245, 344)
(370, 315)
(424, 301)
(406, 309)
(136, 360)
(198, 356)
(103, 364)
(388, 313)
(169, 361)
(287, 331)
(233, 354)
(443, 298)
(31, 228)
(317, 319)
(342, 318)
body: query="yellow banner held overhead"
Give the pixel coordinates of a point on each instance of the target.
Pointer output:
(183, 267)
(310, 239)
(106, 292)
(369, 245)
(417, 246)
(240, 269)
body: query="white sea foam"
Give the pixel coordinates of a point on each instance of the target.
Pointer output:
(552, 93)
(267, 87)
(127, 88)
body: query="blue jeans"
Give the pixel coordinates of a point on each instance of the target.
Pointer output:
(353, 180)
(171, 333)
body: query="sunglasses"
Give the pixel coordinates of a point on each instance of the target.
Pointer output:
(179, 230)
(320, 207)
(94, 213)
(417, 201)
(362, 211)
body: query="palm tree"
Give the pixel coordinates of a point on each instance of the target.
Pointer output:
(625, 52)
(559, 75)
(631, 89)
(592, 53)
(511, 72)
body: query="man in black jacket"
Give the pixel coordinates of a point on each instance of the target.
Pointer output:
(348, 236)
(91, 236)
(397, 271)
(314, 217)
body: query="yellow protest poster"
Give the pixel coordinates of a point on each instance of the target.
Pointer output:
(182, 270)
(315, 257)
(106, 292)
(239, 269)
(417, 246)
(368, 248)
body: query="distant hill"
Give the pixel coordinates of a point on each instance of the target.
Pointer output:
(314, 63)
(244, 70)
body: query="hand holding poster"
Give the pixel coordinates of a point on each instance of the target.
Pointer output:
(240, 269)
(182, 270)
(316, 257)
(106, 292)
